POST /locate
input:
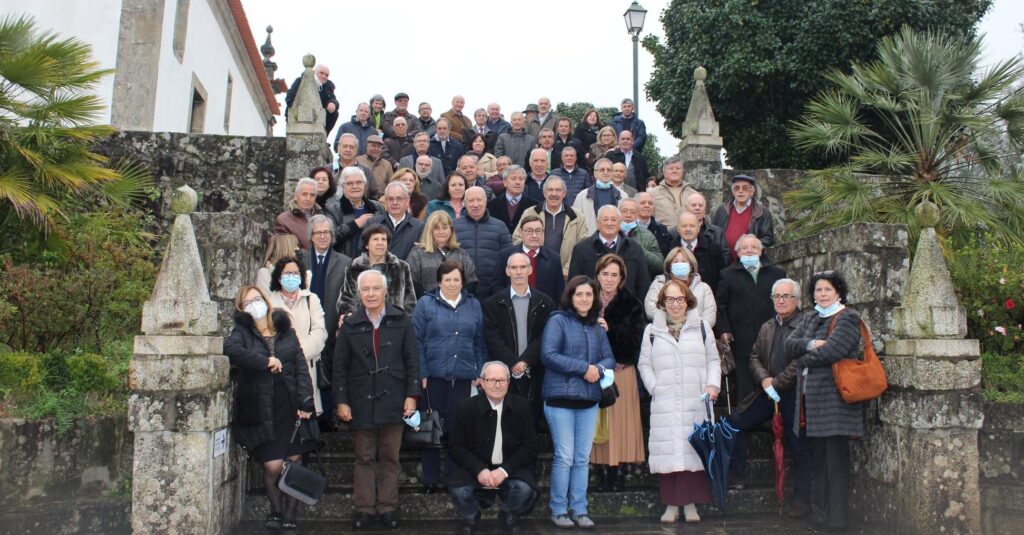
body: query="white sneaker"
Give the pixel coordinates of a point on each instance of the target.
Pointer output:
(690, 512)
(671, 515)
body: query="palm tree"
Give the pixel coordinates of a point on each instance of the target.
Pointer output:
(921, 122)
(48, 114)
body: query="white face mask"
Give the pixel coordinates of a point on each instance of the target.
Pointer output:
(257, 309)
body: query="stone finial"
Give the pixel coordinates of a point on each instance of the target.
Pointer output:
(700, 126)
(927, 214)
(306, 115)
(184, 200)
(268, 48)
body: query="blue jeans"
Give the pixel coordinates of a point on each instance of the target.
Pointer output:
(572, 435)
(516, 498)
(759, 411)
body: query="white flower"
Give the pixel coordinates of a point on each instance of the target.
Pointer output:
(1002, 280)
(981, 313)
(1001, 330)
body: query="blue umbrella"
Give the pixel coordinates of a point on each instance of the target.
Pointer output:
(713, 441)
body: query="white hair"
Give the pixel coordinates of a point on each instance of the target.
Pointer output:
(609, 207)
(350, 171)
(320, 219)
(626, 199)
(405, 190)
(359, 279)
(304, 181)
(488, 364)
(794, 284)
(748, 237)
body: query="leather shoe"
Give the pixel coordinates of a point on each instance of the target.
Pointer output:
(361, 520)
(389, 520)
(508, 521)
(798, 509)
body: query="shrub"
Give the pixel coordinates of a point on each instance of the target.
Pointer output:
(990, 285)
(21, 374)
(1002, 377)
(89, 372)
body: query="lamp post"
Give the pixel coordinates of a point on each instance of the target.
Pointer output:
(634, 17)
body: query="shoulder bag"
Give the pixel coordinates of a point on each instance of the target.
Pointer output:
(859, 379)
(429, 435)
(300, 482)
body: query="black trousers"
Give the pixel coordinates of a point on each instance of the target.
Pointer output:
(830, 480)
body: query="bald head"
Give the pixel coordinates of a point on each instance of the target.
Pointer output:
(697, 205)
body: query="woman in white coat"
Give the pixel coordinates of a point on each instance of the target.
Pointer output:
(678, 365)
(680, 264)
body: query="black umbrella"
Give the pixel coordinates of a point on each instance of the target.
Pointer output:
(713, 441)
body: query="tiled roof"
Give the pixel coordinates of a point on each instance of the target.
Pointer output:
(242, 22)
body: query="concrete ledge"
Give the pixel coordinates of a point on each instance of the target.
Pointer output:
(938, 373)
(162, 373)
(957, 348)
(178, 345)
(932, 410)
(184, 412)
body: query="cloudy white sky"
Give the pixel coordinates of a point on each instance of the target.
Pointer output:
(433, 50)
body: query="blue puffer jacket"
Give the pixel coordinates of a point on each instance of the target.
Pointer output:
(483, 240)
(566, 350)
(451, 340)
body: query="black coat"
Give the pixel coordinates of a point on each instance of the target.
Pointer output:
(626, 322)
(334, 279)
(664, 237)
(471, 442)
(711, 253)
(346, 233)
(586, 137)
(549, 271)
(376, 388)
(490, 139)
(639, 163)
(556, 151)
(253, 422)
(585, 255)
(500, 326)
(498, 208)
(449, 156)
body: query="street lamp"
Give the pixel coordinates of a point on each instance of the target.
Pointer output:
(634, 17)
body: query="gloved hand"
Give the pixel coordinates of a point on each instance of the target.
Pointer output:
(772, 394)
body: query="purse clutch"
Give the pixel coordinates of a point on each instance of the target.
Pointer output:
(429, 435)
(301, 482)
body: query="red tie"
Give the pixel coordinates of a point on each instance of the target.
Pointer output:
(532, 253)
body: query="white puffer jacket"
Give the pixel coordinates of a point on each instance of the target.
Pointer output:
(706, 305)
(676, 372)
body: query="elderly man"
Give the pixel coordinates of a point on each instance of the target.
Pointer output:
(711, 257)
(619, 173)
(405, 229)
(360, 126)
(645, 203)
(376, 337)
(348, 149)
(327, 99)
(431, 186)
(545, 118)
(563, 228)
(626, 120)
(483, 237)
(697, 205)
(401, 110)
(576, 178)
(400, 145)
(538, 164)
(670, 196)
(744, 214)
(295, 220)
(601, 194)
(380, 169)
(630, 212)
(469, 170)
(546, 141)
(511, 205)
(479, 126)
(516, 142)
(637, 174)
(444, 148)
(610, 239)
(744, 304)
(426, 121)
(546, 265)
(328, 274)
(563, 139)
(352, 211)
(494, 446)
(775, 374)
(459, 122)
(494, 121)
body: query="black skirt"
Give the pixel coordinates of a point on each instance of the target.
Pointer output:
(284, 425)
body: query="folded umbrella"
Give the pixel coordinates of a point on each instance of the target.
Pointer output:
(713, 441)
(778, 453)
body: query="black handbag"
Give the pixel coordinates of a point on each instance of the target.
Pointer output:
(429, 435)
(299, 481)
(608, 396)
(323, 373)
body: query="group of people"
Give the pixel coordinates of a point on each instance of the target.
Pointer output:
(506, 303)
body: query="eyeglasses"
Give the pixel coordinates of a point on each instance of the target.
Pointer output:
(785, 297)
(251, 301)
(495, 382)
(321, 233)
(742, 187)
(675, 300)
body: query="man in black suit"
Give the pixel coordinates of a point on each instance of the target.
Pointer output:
(637, 173)
(327, 98)
(610, 239)
(508, 208)
(545, 263)
(706, 244)
(494, 447)
(328, 269)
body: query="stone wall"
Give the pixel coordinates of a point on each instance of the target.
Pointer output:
(1001, 470)
(772, 184)
(231, 248)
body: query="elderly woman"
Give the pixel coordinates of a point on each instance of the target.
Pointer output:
(295, 220)
(376, 383)
(679, 365)
(326, 185)
(278, 246)
(681, 265)
(823, 338)
(273, 389)
(607, 142)
(575, 353)
(437, 244)
(289, 291)
(450, 330)
(352, 211)
(486, 163)
(417, 200)
(625, 443)
(376, 256)
(453, 193)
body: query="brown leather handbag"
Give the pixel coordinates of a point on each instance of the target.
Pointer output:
(859, 379)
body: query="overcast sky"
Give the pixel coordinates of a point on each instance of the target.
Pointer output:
(508, 52)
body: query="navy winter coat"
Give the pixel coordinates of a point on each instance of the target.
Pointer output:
(483, 240)
(566, 350)
(451, 340)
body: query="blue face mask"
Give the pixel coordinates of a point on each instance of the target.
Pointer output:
(680, 270)
(413, 421)
(603, 185)
(829, 310)
(290, 283)
(750, 261)
(627, 227)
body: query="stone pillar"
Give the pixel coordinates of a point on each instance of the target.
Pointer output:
(183, 480)
(306, 139)
(922, 462)
(701, 147)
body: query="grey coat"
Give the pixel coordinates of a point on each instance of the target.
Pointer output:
(430, 186)
(423, 266)
(515, 145)
(825, 411)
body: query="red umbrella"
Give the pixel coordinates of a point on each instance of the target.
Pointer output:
(780, 466)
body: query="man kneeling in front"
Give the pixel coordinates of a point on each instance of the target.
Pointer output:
(494, 448)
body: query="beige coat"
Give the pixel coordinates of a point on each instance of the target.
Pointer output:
(308, 321)
(706, 305)
(573, 232)
(669, 202)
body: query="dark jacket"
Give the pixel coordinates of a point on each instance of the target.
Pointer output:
(295, 222)
(347, 233)
(587, 136)
(253, 422)
(326, 97)
(451, 339)
(471, 442)
(586, 253)
(639, 129)
(397, 148)
(760, 222)
(375, 385)
(549, 270)
(490, 138)
(360, 130)
(387, 124)
(404, 236)
(626, 322)
(575, 181)
(334, 279)
(500, 327)
(762, 355)
(664, 237)
(449, 156)
(566, 350)
(483, 240)
(499, 127)
(639, 167)
(556, 150)
(401, 292)
(498, 208)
